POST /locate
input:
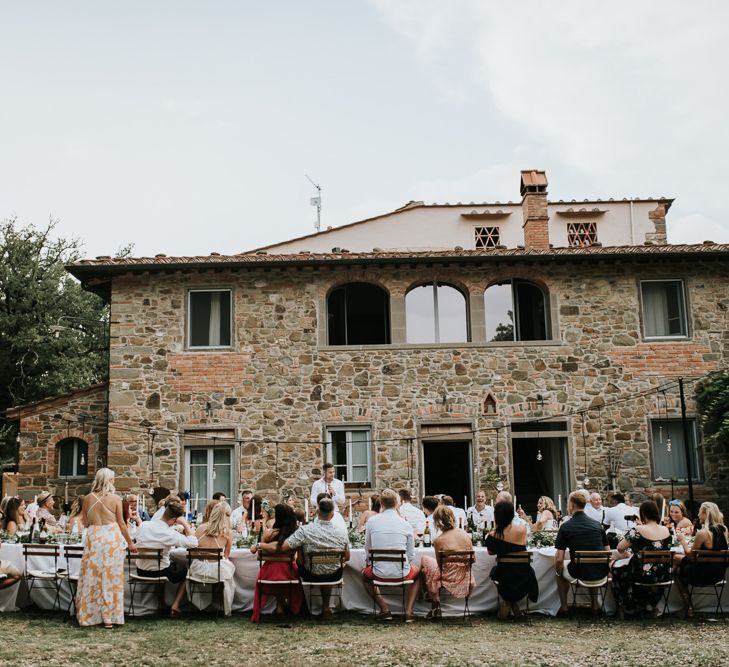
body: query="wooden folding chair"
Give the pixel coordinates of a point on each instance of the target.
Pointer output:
(196, 584)
(37, 578)
(709, 559)
(71, 553)
(137, 580)
(520, 559)
(580, 558)
(466, 558)
(658, 558)
(389, 556)
(317, 558)
(277, 558)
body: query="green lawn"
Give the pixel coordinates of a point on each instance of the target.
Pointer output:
(42, 639)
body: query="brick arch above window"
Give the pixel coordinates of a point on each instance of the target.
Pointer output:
(54, 451)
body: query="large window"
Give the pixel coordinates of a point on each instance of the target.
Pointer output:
(436, 313)
(516, 310)
(664, 309)
(207, 470)
(669, 460)
(359, 314)
(73, 458)
(209, 318)
(349, 450)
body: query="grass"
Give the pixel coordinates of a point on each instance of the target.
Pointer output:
(30, 639)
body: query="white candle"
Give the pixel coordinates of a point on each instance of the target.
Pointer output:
(516, 506)
(306, 509)
(253, 511)
(559, 502)
(465, 503)
(197, 500)
(492, 503)
(663, 509)
(65, 495)
(350, 509)
(369, 503)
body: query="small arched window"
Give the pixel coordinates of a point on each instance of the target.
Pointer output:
(73, 458)
(516, 310)
(358, 314)
(436, 313)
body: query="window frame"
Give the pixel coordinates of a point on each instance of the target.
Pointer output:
(343, 287)
(435, 284)
(188, 318)
(698, 477)
(515, 310)
(187, 477)
(489, 233)
(348, 429)
(76, 458)
(685, 305)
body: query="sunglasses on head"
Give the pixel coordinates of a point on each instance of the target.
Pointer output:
(674, 503)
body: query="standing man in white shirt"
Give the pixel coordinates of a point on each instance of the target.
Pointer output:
(388, 530)
(328, 484)
(413, 515)
(480, 513)
(160, 534)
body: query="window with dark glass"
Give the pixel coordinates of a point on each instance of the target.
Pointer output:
(669, 452)
(358, 314)
(348, 449)
(209, 318)
(664, 309)
(516, 310)
(73, 454)
(436, 313)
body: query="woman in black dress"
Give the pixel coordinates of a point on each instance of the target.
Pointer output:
(515, 581)
(648, 536)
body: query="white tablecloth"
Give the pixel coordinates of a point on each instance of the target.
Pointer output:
(354, 597)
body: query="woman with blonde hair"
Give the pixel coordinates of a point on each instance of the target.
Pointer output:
(712, 536)
(546, 515)
(76, 521)
(215, 533)
(100, 593)
(206, 517)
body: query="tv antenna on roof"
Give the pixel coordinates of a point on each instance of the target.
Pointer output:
(316, 201)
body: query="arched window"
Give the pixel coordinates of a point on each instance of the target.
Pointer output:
(359, 314)
(436, 313)
(516, 310)
(73, 458)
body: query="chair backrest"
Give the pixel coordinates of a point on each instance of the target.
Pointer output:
(387, 556)
(327, 557)
(73, 551)
(276, 557)
(657, 556)
(204, 553)
(591, 557)
(144, 553)
(515, 558)
(709, 557)
(49, 550)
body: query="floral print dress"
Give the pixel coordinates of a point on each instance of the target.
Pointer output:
(631, 597)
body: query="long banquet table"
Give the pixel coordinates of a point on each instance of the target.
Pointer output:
(354, 597)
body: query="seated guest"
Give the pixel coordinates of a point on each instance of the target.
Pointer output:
(77, 521)
(514, 580)
(319, 535)
(240, 513)
(46, 503)
(291, 502)
(283, 528)
(413, 515)
(505, 497)
(163, 506)
(459, 513)
(546, 515)
(430, 504)
(712, 536)
(677, 517)
(650, 535)
(580, 533)
(300, 515)
(219, 495)
(16, 517)
(594, 508)
(388, 530)
(454, 577)
(137, 514)
(160, 534)
(481, 514)
(365, 516)
(216, 534)
(615, 515)
(337, 519)
(206, 517)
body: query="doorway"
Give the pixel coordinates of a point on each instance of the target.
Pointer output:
(447, 469)
(534, 477)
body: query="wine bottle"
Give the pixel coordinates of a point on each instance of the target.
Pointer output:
(426, 536)
(31, 533)
(42, 535)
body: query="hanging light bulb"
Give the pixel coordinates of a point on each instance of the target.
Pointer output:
(83, 459)
(668, 444)
(215, 474)
(660, 434)
(586, 481)
(539, 455)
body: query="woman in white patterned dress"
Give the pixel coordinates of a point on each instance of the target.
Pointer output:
(100, 594)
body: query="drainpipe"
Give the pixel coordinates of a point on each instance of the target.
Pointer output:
(632, 228)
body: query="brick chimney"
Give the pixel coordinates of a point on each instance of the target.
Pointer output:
(534, 208)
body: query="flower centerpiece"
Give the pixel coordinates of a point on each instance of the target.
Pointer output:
(540, 539)
(356, 539)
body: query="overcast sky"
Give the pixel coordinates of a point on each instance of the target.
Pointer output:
(188, 127)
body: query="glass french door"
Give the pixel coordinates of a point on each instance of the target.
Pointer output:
(208, 470)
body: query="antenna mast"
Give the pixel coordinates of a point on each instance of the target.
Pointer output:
(316, 201)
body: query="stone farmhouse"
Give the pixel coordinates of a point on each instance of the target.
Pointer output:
(439, 347)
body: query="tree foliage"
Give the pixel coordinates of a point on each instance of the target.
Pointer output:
(712, 397)
(36, 297)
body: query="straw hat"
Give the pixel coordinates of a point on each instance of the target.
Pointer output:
(43, 497)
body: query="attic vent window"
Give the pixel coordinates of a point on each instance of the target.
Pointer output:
(486, 237)
(581, 234)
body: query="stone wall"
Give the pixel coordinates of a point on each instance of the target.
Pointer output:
(282, 382)
(81, 414)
